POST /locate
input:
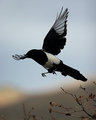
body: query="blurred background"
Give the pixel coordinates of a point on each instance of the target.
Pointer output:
(23, 26)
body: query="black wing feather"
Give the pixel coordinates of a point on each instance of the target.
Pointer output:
(55, 39)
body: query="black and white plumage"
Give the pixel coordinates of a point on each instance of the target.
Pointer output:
(54, 42)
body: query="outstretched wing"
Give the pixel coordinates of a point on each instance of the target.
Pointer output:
(55, 39)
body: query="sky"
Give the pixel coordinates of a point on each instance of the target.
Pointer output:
(23, 26)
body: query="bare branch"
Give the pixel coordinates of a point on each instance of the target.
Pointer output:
(24, 111)
(78, 102)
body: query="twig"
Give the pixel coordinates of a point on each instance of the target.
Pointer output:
(90, 96)
(54, 104)
(68, 114)
(24, 111)
(94, 83)
(30, 113)
(34, 117)
(79, 103)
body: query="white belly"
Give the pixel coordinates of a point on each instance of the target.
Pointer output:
(51, 60)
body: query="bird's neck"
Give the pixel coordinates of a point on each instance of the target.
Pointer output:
(38, 55)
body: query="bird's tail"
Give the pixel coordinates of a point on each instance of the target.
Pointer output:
(66, 70)
(19, 57)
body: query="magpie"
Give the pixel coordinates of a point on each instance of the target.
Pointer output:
(54, 42)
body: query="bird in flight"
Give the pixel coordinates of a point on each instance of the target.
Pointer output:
(53, 43)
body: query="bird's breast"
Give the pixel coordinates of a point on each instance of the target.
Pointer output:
(51, 61)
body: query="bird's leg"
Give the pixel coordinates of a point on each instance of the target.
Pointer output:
(52, 71)
(44, 74)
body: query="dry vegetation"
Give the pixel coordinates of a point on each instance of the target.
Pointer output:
(86, 109)
(86, 104)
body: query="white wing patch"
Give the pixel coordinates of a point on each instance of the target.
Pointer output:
(60, 22)
(51, 61)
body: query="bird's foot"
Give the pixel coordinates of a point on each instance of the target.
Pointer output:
(43, 74)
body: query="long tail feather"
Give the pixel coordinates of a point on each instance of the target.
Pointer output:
(66, 70)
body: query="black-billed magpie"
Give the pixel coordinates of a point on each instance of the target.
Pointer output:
(54, 41)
